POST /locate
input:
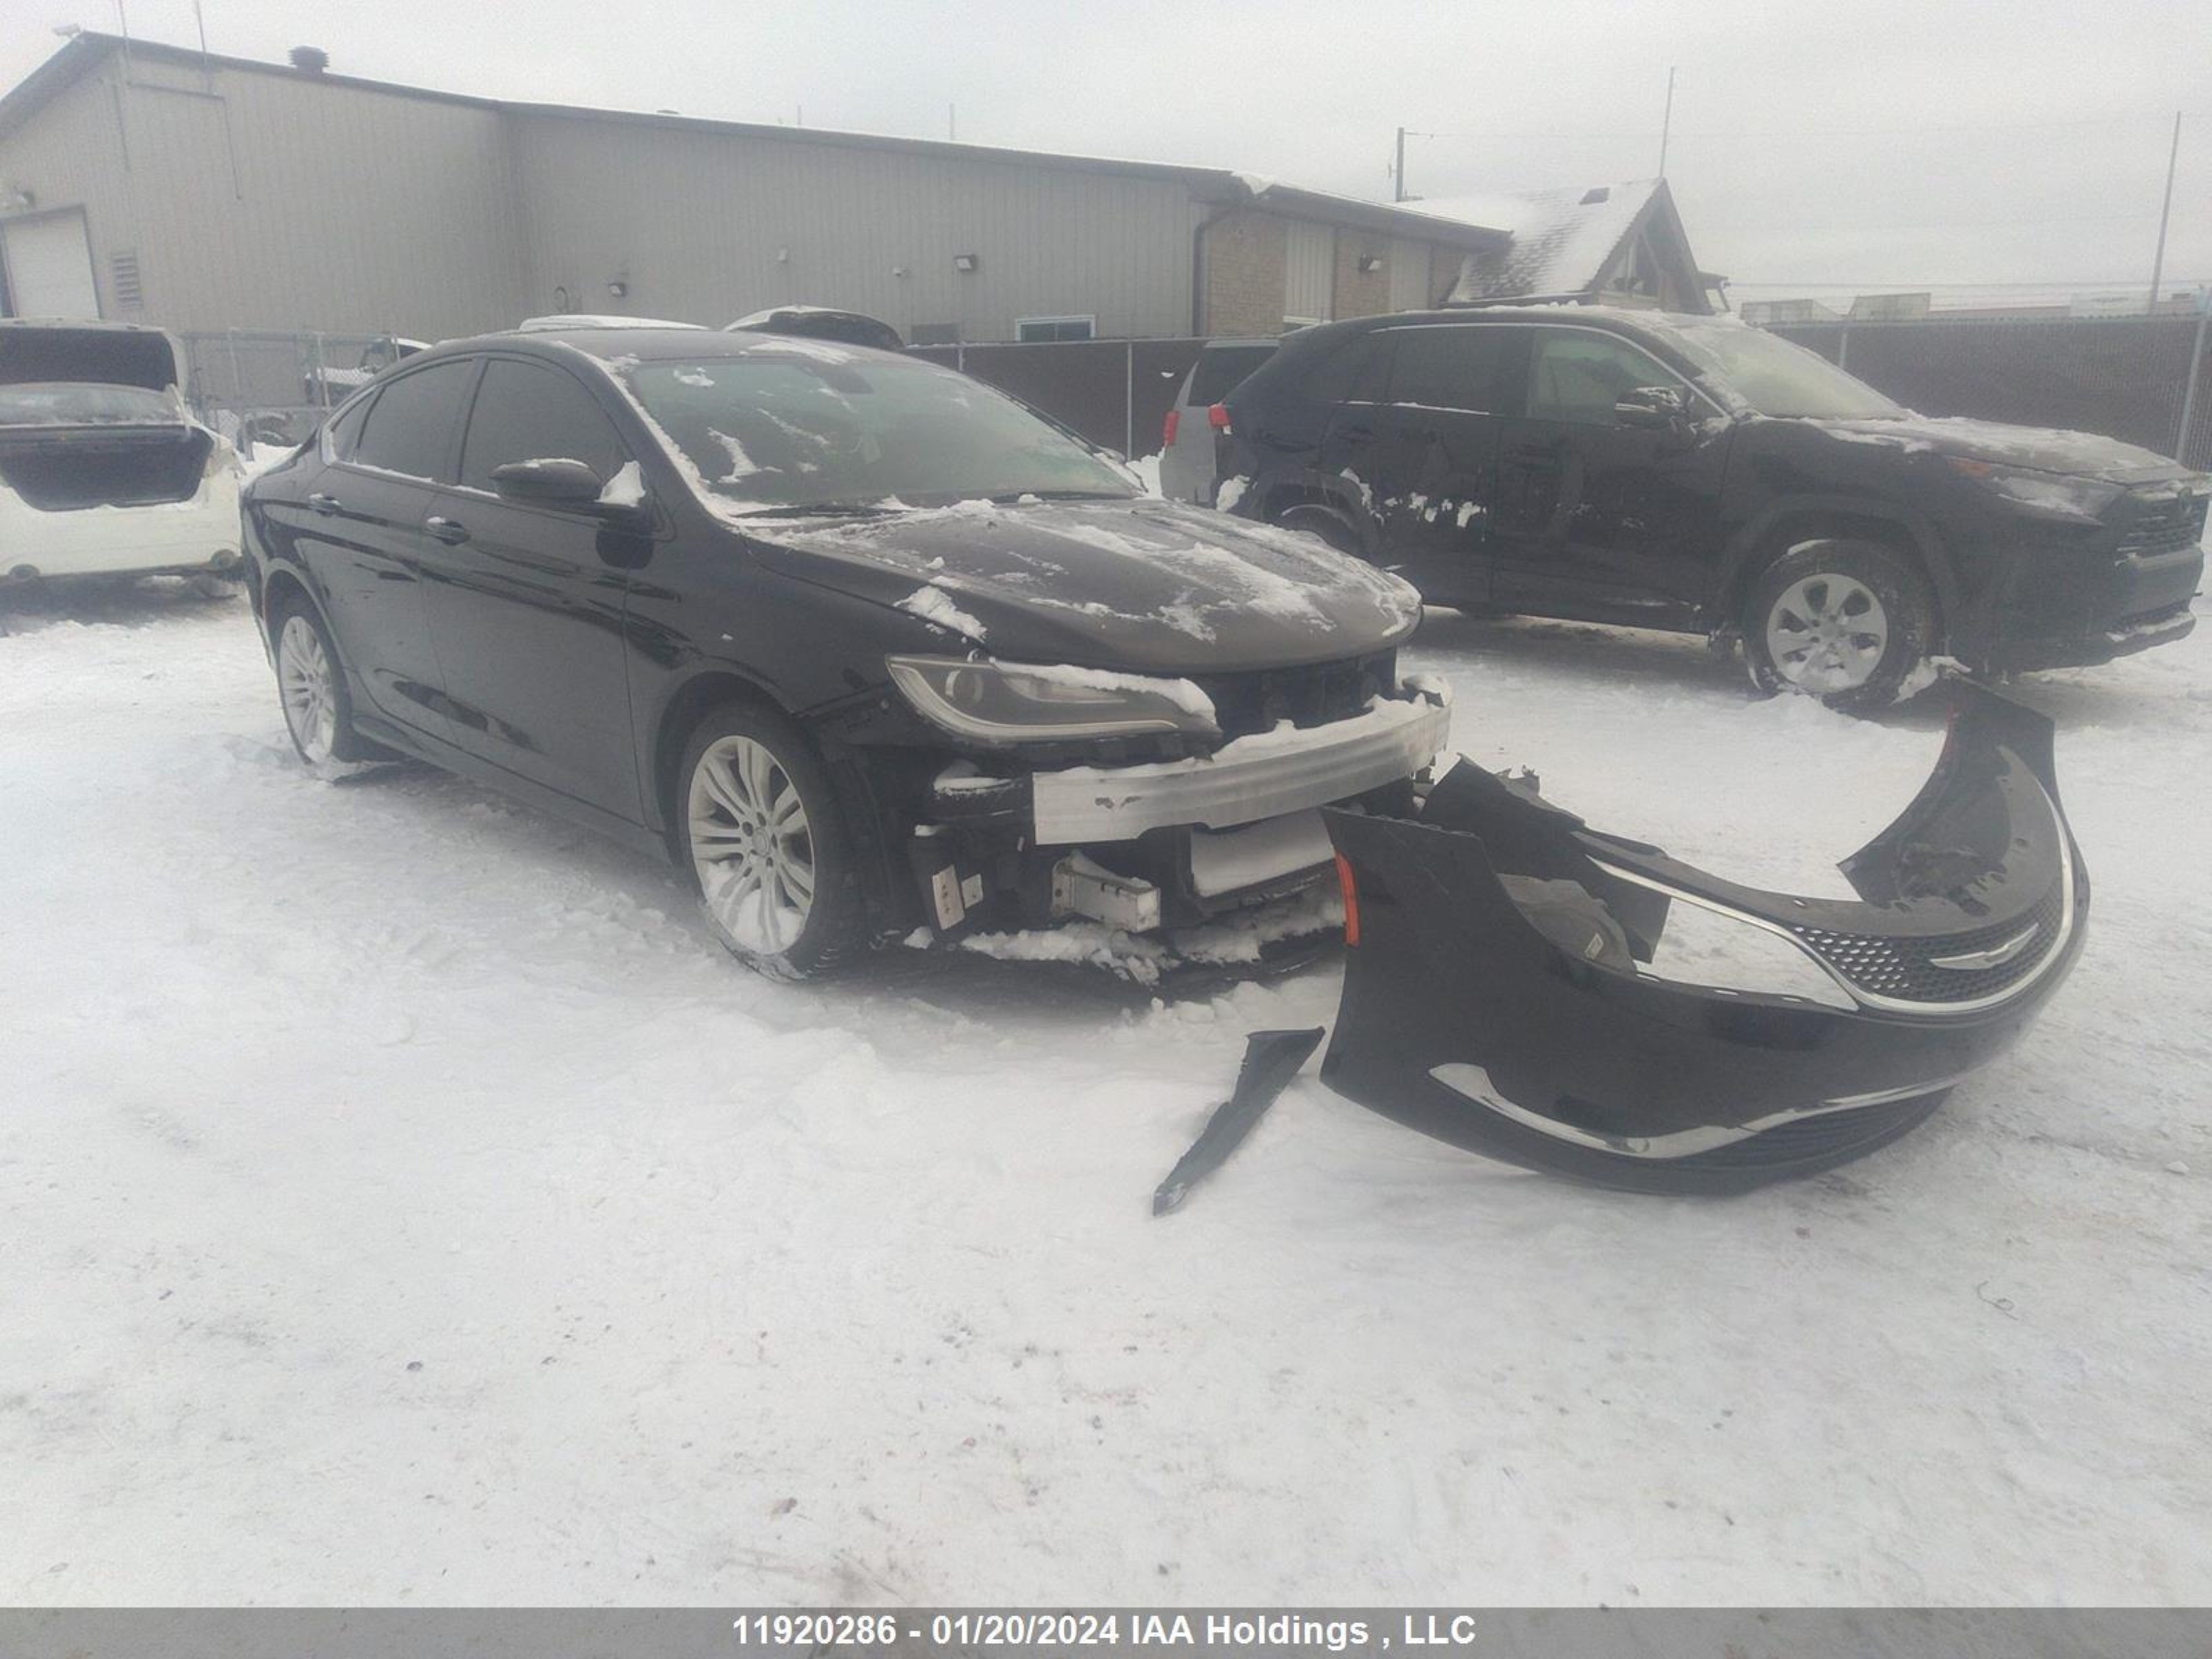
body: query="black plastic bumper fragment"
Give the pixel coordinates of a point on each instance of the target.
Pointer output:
(1272, 1059)
(1495, 997)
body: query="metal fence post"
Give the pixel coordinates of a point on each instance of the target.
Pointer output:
(1844, 349)
(2195, 374)
(1129, 400)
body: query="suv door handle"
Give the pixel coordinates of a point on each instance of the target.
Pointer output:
(452, 531)
(1359, 434)
(323, 503)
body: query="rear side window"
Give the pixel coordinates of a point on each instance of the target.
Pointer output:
(1575, 376)
(1354, 372)
(529, 412)
(1221, 370)
(409, 427)
(1453, 368)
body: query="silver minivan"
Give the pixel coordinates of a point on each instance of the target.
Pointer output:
(1187, 439)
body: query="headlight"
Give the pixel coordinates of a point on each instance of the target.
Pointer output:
(999, 702)
(2052, 494)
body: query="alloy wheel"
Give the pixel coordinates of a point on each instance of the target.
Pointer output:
(1827, 633)
(751, 845)
(305, 682)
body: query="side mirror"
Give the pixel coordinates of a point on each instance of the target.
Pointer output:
(1659, 408)
(569, 485)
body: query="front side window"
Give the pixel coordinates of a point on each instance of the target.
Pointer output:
(1575, 376)
(783, 427)
(409, 427)
(1454, 368)
(530, 412)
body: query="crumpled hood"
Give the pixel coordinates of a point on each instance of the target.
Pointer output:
(2083, 454)
(1142, 585)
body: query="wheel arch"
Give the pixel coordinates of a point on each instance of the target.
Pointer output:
(712, 687)
(1320, 489)
(1787, 524)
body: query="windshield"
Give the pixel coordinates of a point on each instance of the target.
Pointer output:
(813, 425)
(66, 402)
(1777, 378)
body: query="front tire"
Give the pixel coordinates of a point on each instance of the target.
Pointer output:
(761, 830)
(1846, 621)
(311, 686)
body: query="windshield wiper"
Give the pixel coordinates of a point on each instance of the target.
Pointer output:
(822, 510)
(1068, 495)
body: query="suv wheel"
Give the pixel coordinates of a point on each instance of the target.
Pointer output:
(1326, 522)
(761, 833)
(1842, 621)
(318, 713)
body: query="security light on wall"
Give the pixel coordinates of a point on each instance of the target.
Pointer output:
(965, 262)
(1369, 264)
(618, 288)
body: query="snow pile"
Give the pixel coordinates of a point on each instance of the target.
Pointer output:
(404, 1185)
(625, 489)
(934, 605)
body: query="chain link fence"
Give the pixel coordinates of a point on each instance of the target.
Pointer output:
(269, 387)
(2126, 377)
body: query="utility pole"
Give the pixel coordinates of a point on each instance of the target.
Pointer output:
(2158, 264)
(1666, 121)
(1398, 170)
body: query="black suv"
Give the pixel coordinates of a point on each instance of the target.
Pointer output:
(859, 642)
(1694, 473)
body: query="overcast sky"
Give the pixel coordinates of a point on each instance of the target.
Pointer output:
(1816, 149)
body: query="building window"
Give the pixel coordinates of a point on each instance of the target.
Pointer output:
(933, 334)
(1031, 330)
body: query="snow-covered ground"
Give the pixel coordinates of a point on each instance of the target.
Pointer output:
(402, 1201)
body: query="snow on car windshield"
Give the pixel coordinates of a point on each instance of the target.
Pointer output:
(808, 428)
(70, 402)
(1777, 378)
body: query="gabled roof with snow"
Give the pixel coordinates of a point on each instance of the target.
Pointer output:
(1562, 242)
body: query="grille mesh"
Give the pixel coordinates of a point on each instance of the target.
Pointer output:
(1905, 969)
(2170, 531)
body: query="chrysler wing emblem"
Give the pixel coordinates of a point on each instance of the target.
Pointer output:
(1996, 956)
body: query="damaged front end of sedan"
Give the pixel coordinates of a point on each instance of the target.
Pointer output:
(1506, 990)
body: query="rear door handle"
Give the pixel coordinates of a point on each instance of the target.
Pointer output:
(452, 531)
(323, 503)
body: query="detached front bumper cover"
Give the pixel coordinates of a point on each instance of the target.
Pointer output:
(1494, 994)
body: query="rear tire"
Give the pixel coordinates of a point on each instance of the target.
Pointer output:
(1844, 620)
(759, 828)
(311, 687)
(1326, 522)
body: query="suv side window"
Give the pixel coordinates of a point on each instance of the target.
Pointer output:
(532, 412)
(409, 428)
(1577, 376)
(1354, 372)
(1464, 367)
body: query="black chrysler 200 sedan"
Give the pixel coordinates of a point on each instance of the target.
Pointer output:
(1694, 473)
(859, 642)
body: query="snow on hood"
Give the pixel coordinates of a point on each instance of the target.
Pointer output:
(2084, 455)
(1146, 585)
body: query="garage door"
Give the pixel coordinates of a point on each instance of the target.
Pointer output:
(49, 266)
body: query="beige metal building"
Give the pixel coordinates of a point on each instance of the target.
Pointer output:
(148, 183)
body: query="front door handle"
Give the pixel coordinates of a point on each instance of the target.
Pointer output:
(452, 531)
(323, 503)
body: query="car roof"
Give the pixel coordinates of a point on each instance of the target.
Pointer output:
(626, 344)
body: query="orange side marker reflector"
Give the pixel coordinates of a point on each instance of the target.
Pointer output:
(1345, 880)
